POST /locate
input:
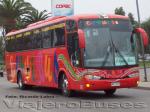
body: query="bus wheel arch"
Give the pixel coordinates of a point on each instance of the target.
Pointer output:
(63, 84)
(61, 73)
(18, 75)
(20, 83)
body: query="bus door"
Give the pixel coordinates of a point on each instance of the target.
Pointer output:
(73, 48)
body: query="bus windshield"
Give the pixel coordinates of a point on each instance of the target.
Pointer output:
(108, 43)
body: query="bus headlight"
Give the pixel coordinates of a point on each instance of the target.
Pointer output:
(133, 75)
(93, 77)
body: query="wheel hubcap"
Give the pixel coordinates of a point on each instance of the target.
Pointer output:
(20, 82)
(65, 85)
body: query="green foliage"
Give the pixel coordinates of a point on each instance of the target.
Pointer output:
(147, 64)
(35, 16)
(133, 21)
(120, 11)
(12, 11)
(130, 15)
(146, 26)
(16, 14)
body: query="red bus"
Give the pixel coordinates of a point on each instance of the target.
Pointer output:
(81, 52)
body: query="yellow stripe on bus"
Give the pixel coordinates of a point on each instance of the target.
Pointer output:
(53, 27)
(45, 29)
(27, 33)
(19, 35)
(13, 37)
(38, 31)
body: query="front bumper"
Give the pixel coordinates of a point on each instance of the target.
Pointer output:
(93, 85)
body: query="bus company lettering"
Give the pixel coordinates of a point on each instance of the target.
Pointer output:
(63, 6)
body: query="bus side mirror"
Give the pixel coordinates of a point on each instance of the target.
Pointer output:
(143, 35)
(81, 36)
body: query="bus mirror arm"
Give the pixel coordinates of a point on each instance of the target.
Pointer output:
(81, 36)
(143, 35)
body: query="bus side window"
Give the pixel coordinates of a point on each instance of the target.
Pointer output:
(27, 41)
(33, 41)
(52, 38)
(39, 40)
(59, 36)
(46, 39)
(13, 44)
(19, 44)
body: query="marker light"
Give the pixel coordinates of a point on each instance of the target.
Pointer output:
(87, 85)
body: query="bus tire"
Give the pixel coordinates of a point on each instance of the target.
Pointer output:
(64, 86)
(110, 92)
(20, 83)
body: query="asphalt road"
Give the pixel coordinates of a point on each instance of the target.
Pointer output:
(40, 99)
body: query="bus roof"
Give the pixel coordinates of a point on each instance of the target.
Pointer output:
(53, 20)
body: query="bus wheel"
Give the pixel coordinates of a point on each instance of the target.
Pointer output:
(20, 82)
(110, 92)
(64, 86)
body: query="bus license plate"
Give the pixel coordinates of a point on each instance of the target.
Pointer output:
(115, 84)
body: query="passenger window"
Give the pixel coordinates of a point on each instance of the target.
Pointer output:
(37, 39)
(59, 36)
(13, 44)
(47, 39)
(27, 41)
(19, 44)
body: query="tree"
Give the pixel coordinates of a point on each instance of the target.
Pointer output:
(130, 15)
(35, 16)
(12, 11)
(133, 21)
(146, 26)
(120, 11)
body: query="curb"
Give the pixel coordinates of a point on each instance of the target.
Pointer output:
(143, 68)
(143, 88)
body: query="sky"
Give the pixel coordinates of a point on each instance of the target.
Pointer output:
(100, 6)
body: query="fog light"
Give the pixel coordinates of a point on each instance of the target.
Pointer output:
(27, 77)
(87, 85)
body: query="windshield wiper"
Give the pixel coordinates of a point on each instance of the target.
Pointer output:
(117, 51)
(107, 55)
